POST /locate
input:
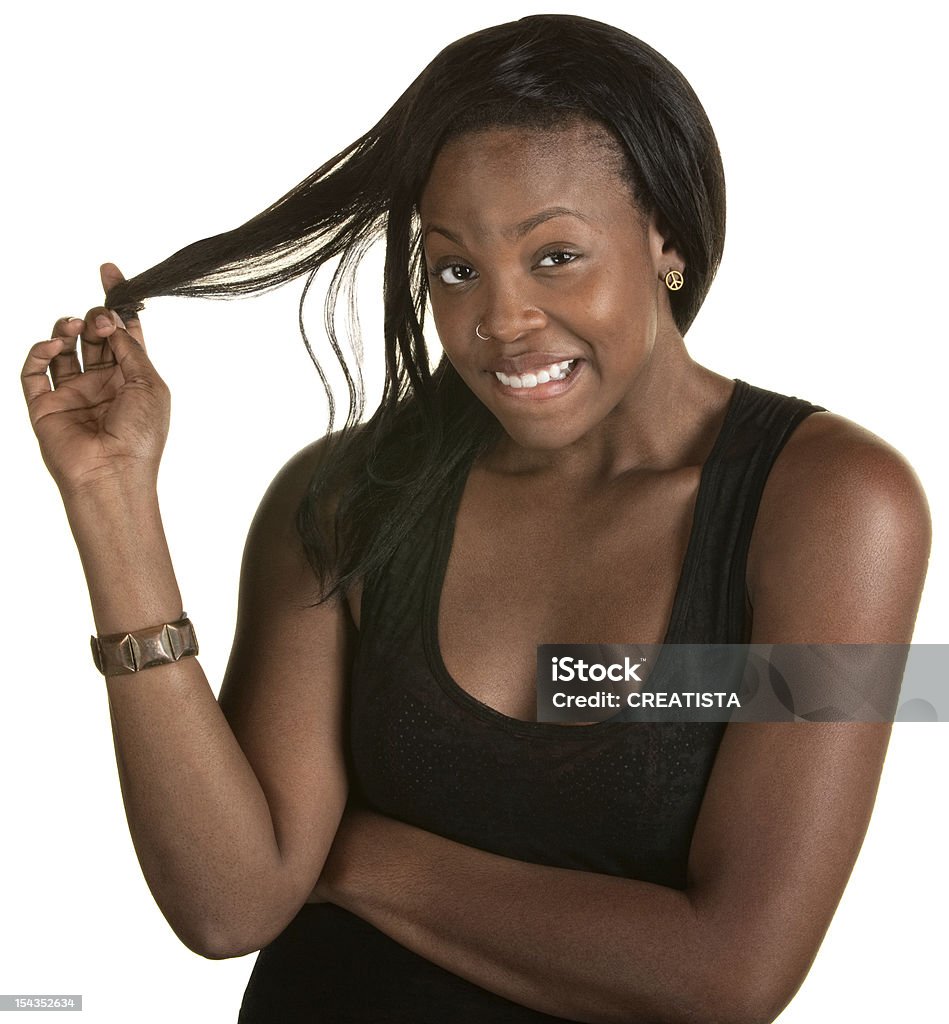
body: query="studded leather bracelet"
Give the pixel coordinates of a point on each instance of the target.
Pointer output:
(121, 654)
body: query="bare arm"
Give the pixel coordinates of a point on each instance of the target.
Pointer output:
(781, 824)
(229, 837)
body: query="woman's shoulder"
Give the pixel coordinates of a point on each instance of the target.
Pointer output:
(833, 467)
(277, 513)
(289, 485)
(843, 514)
(291, 482)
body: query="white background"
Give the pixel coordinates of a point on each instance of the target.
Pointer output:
(129, 134)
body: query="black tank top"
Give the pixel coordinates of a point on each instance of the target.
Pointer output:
(616, 798)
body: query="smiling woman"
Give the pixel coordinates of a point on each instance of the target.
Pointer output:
(525, 249)
(371, 801)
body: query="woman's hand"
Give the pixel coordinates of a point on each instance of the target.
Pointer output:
(105, 417)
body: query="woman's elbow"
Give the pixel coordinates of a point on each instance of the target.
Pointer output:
(730, 996)
(215, 941)
(211, 944)
(746, 993)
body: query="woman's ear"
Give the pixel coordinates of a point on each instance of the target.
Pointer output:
(663, 247)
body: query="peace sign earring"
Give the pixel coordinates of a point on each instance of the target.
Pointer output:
(674, 280)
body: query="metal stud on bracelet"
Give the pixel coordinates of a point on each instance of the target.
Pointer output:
(121, 654)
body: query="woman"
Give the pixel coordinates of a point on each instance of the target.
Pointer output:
(553, 189)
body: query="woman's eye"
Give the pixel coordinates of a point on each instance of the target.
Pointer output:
(455, 273)
(556, 259)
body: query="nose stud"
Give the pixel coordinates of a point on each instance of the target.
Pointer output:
(483, 337)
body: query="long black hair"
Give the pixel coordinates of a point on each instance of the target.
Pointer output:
(377, 477)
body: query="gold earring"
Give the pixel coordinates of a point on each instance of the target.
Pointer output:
(674, 280)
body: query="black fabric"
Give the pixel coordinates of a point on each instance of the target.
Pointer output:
(618, 797)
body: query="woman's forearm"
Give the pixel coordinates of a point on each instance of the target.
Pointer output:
(198, 817)
(121, 541)
(584, 946)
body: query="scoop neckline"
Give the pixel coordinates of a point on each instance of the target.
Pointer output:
(445, 535)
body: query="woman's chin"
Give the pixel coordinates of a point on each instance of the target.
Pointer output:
(541, 437)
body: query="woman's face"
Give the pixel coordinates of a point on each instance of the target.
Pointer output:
(532, 239)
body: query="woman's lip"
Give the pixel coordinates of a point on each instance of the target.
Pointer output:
(530, 362)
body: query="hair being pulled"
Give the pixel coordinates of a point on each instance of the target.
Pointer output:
(377, 477)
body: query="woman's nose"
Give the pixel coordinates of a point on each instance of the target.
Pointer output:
(509, 314)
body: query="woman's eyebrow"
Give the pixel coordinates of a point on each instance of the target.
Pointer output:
(518, 230)
(526, 226)
(438, 229)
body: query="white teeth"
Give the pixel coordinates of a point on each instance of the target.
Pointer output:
(556, 371)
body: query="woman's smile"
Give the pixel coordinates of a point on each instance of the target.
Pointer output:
(548, 381)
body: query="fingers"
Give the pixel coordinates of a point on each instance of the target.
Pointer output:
(33, 376)
(131, 357)
(110, 275)
(96, 352)
(133, 325)
(62, 361)
(65, 364)
(106, 342)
